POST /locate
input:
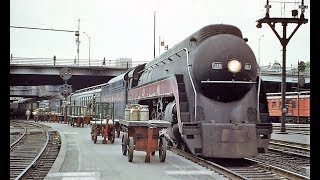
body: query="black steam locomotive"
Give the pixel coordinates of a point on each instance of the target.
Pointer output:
(208, 88)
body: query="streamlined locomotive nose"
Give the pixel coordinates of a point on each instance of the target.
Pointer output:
(223, 67)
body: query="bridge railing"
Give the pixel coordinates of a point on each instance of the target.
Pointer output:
(74, 62)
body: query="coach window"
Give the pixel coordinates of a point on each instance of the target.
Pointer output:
(294, 104)
(273, 104)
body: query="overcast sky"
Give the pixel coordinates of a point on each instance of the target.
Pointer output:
(125, 28)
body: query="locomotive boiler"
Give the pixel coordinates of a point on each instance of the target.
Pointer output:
(208, 88)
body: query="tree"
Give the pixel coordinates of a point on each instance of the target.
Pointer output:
(307, 67)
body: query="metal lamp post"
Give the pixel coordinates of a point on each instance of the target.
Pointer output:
(89, 45)
(259, 52)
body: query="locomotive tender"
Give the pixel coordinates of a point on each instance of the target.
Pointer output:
(208, 88)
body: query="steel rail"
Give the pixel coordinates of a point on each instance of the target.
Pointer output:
(279, 171)
(23, 134)
(212, 166)
(37, 157)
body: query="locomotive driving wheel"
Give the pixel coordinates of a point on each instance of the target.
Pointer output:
(124, 143)
(131, 149)
(153, 113)
(162, 149)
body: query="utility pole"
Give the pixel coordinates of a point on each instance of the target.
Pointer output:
(298, 84)
(78, 39)
(259, 52)
(159, 45)
(284, 41)
(89, 45)
(301, 67)
(154, 34)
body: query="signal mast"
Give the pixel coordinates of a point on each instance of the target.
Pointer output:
(284, 41)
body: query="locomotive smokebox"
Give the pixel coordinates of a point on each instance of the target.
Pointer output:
(223, 67)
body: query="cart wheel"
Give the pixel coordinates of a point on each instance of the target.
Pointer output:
(113, 134)
(95, 136)
(118, 133)
(131, 149)
(92, 131)
(124, 143)
(162, 149)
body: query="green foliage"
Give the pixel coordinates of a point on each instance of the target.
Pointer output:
(307, 66)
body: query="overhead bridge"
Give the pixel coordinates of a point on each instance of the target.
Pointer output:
(82, 76)
(35, 91)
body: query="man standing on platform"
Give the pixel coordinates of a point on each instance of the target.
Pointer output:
(28, 114)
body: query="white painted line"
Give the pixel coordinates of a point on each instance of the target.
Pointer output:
(74, 175)
(179, 172)
(69, 133)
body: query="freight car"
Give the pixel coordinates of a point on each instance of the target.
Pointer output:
(208, 88)
(297, 105)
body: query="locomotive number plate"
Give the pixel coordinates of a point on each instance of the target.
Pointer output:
(216, 65)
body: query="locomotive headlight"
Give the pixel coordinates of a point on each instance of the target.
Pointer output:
(234, 66)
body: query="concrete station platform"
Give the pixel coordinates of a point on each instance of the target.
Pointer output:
(80, 158)
(291, 137)
(302, 136)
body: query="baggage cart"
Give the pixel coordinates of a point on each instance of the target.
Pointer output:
(143, 136)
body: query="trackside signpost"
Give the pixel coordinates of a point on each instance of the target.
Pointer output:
(65, 89)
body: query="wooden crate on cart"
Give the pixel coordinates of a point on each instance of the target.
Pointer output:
(60, 114)
(103, 122)
(88, 113)
(75, 116)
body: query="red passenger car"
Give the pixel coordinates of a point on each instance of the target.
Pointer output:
(297, 106)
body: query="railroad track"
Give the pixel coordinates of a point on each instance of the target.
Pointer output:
(293, 157)
(18, 132)
(41, 169)
(297, 149)
(244, 169)
(29, 153)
